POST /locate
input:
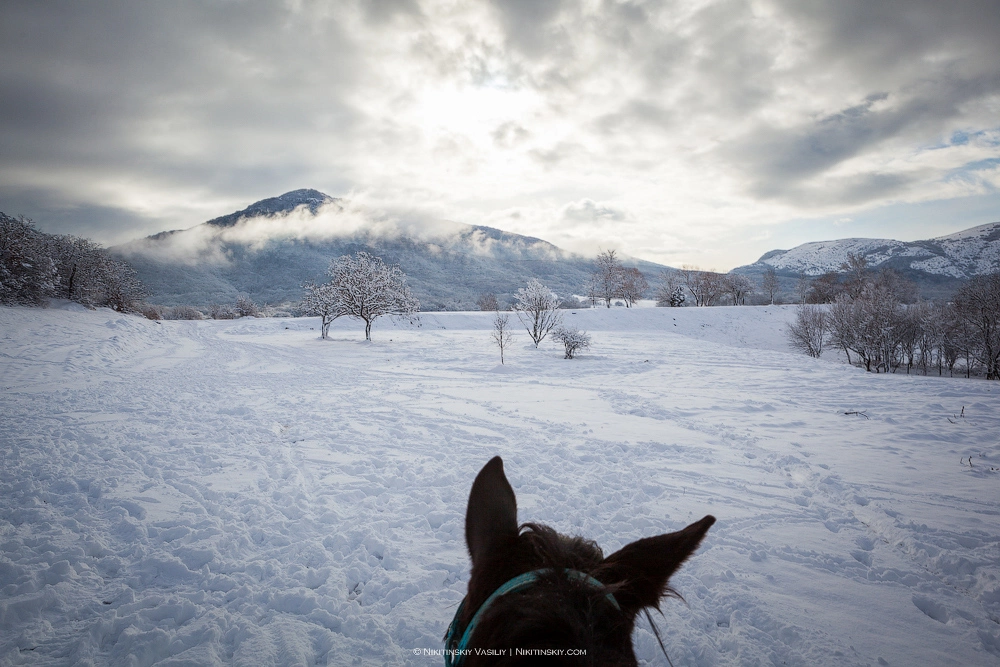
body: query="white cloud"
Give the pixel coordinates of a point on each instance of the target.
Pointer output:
(703, 123)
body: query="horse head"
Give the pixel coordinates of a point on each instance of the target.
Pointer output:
(535, 593)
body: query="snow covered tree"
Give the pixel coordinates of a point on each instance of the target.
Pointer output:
(245, 307)
(366, 288)
(977, 309)
(608, 277)
(122, 289)
(502, 334)
(808, 332)
(573, 341)
(79, 261)
(321, 300)
(222, 311)
(27, 273)
(633, 286)
(488, 301)
(537, 308)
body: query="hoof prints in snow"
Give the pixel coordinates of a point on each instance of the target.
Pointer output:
(176, 493)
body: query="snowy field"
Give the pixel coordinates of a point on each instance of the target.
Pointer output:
(241, 492)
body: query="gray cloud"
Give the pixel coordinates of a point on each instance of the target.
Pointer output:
(123, 119)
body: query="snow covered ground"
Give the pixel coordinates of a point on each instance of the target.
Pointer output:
(241, 492)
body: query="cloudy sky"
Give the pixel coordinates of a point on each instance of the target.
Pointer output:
(685, 132)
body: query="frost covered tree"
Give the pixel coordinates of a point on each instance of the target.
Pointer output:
(366, 288)
(321, 300)
(245, 307)
(808, 332)
(573, 340)
(874, 326)
(488, 301)
(502, 335)
(608, 277)
(122, 289)
(537, 308)
(79, 261)
(27, 273)
(977, 309)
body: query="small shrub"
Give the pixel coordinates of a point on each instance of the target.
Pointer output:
(245, 307)
(182, 313)
(573, 340)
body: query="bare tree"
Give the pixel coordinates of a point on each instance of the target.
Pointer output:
(769, 283)
(802, 287)
(825, 288)
(573, 340)
(739, 287)
(977, 307)
(873, 326)
(608, 277)
(669, 284)
(633, 286)
(537, 308)
(502, 335)
(593, 288)
(488, 301)
(366, 288)
(808, 332)
(704, 286)
(856, 268)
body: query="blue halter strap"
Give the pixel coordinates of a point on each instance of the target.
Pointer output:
(456, 648)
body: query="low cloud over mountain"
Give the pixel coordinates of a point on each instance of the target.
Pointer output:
(270, 248)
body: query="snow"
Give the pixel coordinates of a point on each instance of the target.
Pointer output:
(242, 492)
(971, 252)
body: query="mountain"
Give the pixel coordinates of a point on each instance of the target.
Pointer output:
(270, 248)
(939, 265)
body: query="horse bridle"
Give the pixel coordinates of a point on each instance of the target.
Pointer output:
(456, 648)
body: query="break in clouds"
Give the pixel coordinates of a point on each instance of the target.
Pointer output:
(671, 130)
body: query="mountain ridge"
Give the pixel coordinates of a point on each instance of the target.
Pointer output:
(270, 248)
(938, 265)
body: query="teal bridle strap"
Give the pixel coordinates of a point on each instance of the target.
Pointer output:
(455, 649)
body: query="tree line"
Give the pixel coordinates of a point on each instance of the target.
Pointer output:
(35, 266)
(876, 321)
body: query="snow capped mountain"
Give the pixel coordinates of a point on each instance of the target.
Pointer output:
(269, 249)
(310, 199)
(960, 255)
(937, 265)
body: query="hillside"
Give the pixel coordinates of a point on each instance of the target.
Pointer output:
(270, 248)
(937, 265)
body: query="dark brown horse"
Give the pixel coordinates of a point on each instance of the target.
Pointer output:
(538, 596)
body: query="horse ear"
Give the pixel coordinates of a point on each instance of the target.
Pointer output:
(491, 518)
(639, 572)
